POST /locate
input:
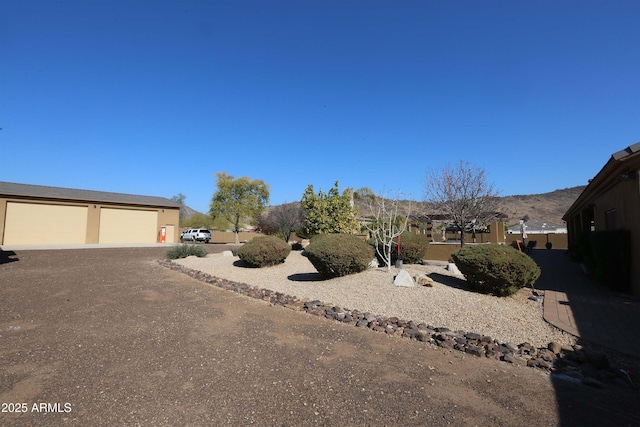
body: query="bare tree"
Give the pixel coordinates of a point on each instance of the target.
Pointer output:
(463, 194)
(179, 199)
(387, 223)
(283, 220)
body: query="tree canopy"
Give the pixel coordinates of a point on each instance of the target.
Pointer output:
(463, 194)
(330, 212)
(238, 199)
(283, 220)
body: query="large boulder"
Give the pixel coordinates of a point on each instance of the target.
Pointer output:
(403, 279)
(454, 269)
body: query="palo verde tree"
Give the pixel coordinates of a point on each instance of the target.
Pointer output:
(330, 212)
(238, 199)
(463, 194)
(387, 223)
(364, 194)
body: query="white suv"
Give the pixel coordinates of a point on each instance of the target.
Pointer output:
(196, 235)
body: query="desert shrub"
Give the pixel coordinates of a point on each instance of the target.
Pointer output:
(497, 269)
(184, 250)
(264, 251)
(413, 248)
(339, 254)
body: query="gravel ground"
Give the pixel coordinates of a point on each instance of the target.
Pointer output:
(108, 337)
(513, 319)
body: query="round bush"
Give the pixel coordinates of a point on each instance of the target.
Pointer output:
(339, 254)
(413, 248)
(264, 251)
(497, 269)
(185, 250)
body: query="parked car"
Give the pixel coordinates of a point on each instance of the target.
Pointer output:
(196, 235)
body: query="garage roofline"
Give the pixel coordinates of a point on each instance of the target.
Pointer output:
(16, 190)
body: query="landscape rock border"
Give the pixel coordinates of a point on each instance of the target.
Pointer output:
(571, 363)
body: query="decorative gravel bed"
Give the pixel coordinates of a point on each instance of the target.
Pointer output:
(514, 319)
(383, 307)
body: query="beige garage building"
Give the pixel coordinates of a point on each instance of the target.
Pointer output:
(35, 214)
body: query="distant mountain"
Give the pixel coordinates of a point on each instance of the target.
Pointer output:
(549, 207)
(186, 212)
(544, 207)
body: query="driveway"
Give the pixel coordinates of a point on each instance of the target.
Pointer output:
(107, 337)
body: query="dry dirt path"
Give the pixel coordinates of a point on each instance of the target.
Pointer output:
(108, 337)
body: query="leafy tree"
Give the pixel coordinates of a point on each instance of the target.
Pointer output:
(282, 220)
(330, 212)
(238, 199)
(364, 193)
(463, 194)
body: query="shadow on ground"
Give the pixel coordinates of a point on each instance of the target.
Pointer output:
(451, 281)
(606, 324)
(307, 277)
(241, 263)
(7, 256)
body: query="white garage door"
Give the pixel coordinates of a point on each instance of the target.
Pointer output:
(128, 226)
(28, 224)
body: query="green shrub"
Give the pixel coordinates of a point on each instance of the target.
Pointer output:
(413, 248)
(264, 251)
(339, 254)
(184, 250)
(497, 269)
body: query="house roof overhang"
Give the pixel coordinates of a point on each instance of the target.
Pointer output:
(622, 165)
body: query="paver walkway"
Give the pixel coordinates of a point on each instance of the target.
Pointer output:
(575, 304)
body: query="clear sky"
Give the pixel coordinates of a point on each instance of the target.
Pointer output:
(155, 97)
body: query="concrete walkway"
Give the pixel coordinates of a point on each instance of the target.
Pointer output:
(577, 305)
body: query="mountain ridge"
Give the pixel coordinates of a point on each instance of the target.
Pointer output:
(547, 207)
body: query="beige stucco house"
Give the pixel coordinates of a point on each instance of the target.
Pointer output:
(41, 215)
(611, 202)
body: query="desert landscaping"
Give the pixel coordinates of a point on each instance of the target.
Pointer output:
(445, 303)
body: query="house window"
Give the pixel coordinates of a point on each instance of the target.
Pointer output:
(611, 219)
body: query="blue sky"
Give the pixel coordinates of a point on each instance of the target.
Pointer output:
(154, 98)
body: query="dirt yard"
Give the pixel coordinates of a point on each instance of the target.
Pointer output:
(109, 337)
